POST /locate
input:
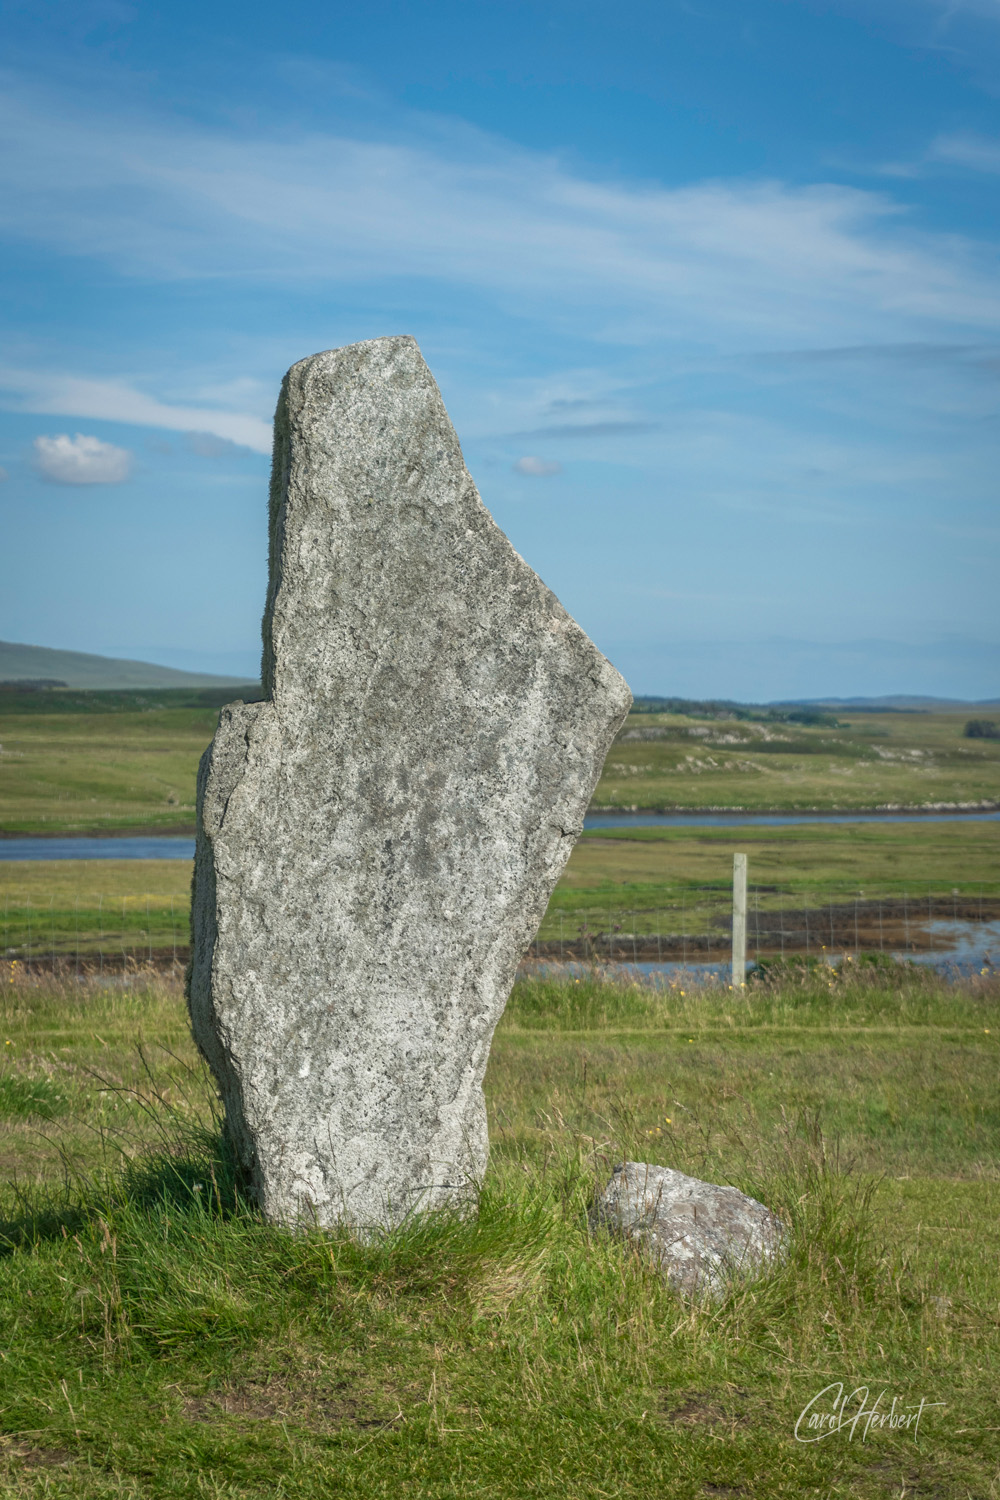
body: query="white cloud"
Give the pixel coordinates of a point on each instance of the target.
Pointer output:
(539, 467)
(81, 460)
(116, 401)
(751, 262)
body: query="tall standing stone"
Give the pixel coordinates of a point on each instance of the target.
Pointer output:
(378, 840)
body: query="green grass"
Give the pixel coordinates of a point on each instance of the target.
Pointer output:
(160, 1340)
(103, 762)
(88, 906)
(889, 855)
(102, 772)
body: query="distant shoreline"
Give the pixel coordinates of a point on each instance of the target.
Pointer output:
(138, 831)
(885, 810)
(189, 830)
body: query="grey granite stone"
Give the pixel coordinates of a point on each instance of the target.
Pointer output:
(700, 1234)
(379, 838)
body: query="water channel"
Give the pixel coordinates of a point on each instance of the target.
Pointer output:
(174, 846)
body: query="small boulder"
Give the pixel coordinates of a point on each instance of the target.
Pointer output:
(701, 1234)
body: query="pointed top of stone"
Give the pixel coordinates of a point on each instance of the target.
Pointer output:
(363, 432)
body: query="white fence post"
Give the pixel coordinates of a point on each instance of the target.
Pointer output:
(739, 920)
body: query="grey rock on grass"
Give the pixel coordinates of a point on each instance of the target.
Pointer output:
(700, 1234)
(378, 840)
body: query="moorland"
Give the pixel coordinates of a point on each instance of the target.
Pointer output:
(662, 762)
(100, 762)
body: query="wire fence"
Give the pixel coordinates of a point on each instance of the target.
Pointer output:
(694, 924)
(686, 924)
(96, 932)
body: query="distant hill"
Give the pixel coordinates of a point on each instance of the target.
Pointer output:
(898, 701)
(806, 710)
(37, 665)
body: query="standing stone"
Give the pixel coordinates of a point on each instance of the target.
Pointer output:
(378, 840)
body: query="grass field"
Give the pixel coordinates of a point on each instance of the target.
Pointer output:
(647, 879)
(101, 772)
(849, 856)
(875, 885)
(160, 1341)
(73, 907)
(104, 762)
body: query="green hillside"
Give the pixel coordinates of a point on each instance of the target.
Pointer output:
(77, 669)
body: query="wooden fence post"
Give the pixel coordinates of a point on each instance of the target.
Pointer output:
(739, 920)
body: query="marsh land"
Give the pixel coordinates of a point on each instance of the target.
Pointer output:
(104, 762)
(644, 880)
(159, 1340)
(76, 763)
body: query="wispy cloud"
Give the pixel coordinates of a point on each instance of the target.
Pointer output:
(977, 152)
(973, 356)
(81, 460)
(207, 445)
(751, 261)
(539, 468)
(117, 401)
(587, 429)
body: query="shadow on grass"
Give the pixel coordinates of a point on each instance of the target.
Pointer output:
(199, 1172)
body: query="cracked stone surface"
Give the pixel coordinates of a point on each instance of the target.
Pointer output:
(378, 840)
(700, 1234)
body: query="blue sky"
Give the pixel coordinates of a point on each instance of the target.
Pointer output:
(711, 289)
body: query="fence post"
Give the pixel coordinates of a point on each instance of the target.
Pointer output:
(739, 920)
